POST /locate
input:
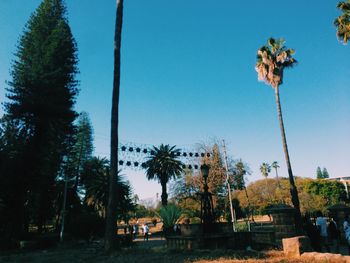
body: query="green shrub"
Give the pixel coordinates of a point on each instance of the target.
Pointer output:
(241, 226)
(169, 214)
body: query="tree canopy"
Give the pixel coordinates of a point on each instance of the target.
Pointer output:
(163, 165)
(314, 194)
(39, 110)
(342, 22)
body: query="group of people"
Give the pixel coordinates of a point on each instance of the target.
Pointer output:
(134, 230)
(326, 235)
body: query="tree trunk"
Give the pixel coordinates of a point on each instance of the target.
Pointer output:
(277, 178)
(249, 205)
(164, 194)
(110, 234)
(293, 189)
(77, 171)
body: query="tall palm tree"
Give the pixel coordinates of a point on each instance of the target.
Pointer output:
(275, 166)
(272, 59)
(110, 234)
(163, 165)
(342, 22)
(265, 169)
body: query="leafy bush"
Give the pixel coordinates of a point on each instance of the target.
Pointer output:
(241, 226)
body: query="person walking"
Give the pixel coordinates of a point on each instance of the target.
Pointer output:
(333, 234)
(145, 232)
(312, 232)
(135, 230)
(321, 224)
(346, 227)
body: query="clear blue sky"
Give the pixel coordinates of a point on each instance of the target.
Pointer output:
(188, 76)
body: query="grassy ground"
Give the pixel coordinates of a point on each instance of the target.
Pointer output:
(150, 251)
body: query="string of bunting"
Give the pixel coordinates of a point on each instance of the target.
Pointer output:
(143, 165)
(133, 156)
(124, 148)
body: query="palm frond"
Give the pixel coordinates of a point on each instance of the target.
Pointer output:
(163, 164)
(272, 59)
(343, 22)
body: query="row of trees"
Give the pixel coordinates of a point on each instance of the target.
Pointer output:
(46, 147)
(314, 194)
(322, 174)
(38, 134)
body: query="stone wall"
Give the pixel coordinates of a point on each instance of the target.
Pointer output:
(263, 239)
(233, 240)
(283, 220)
(197, 229)
(237, 240)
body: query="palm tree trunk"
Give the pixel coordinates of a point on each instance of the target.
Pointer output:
(110, 234)
(164, 194)
(277, 178)
(293, 189)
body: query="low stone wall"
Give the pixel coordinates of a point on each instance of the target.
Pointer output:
(222, 236)
(263, 239)
(233, 240)
(237, 240)
(197, 229)
(283, 220)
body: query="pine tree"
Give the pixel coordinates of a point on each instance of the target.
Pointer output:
(325, 173)
(83, 147)
(319, 174)
(41, 96)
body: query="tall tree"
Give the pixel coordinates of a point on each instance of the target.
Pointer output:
(265, 169)
(319, 174)
(272, 60)
(41, 97)
(162, 165)
(275, 166)
(80, 151)
(83, 146)
(241, 169)
(110, 235)
(342, 22)
(325, 173)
